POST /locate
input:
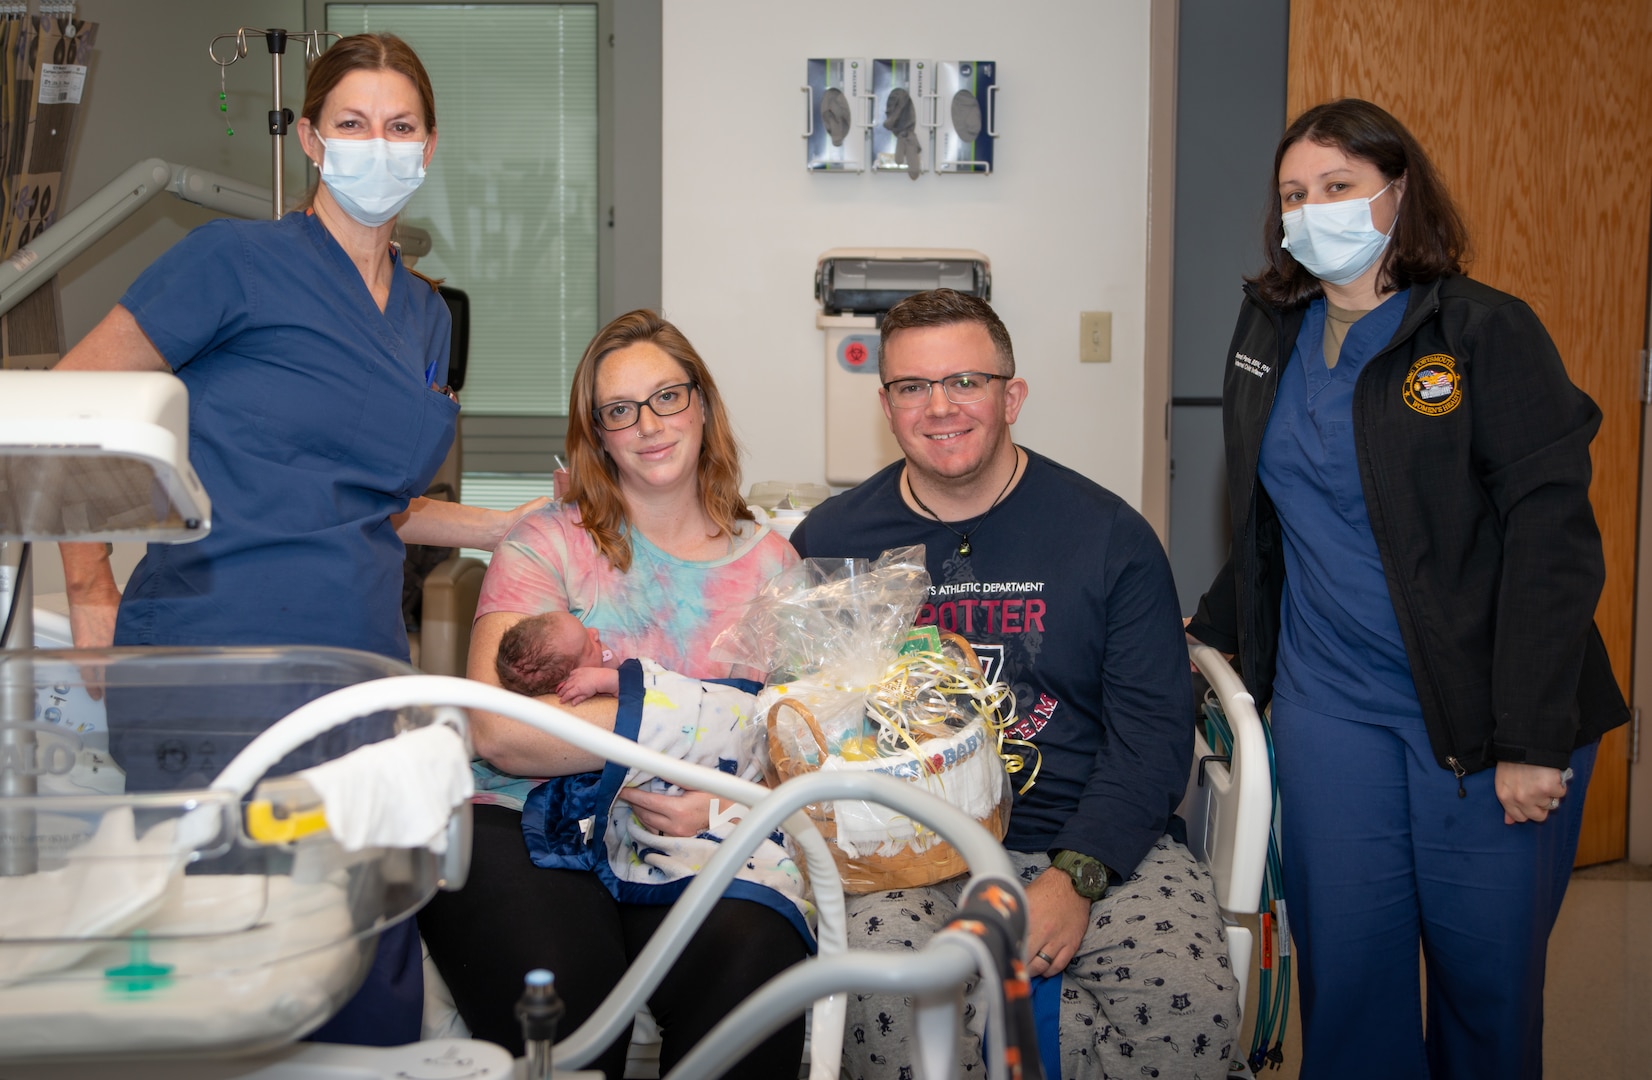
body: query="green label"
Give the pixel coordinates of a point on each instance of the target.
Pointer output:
(922, 639)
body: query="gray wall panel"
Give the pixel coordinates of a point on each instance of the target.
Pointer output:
(1230, 112)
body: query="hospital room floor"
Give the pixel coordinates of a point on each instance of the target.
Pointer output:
(1599, 992)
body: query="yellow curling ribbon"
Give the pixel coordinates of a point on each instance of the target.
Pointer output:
(925, 688)
(1014, 763)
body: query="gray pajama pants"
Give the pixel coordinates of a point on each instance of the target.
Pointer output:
(1149, 993)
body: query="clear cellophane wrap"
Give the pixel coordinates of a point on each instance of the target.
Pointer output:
(851, 686)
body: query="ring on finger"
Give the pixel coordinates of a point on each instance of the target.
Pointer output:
(1554, 803)
(1044, 956)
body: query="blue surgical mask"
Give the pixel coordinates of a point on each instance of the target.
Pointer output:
(372, 179)
(1335, 241)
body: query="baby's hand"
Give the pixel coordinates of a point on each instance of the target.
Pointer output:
(587, 682)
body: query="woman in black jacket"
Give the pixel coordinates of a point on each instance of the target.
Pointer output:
(1412, 583)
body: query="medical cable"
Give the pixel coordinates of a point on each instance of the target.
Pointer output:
(1273, 984)
(16, 600)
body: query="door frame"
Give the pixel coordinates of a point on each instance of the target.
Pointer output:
(1640, 675)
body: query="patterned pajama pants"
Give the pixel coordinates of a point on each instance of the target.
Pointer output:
(1149, 993)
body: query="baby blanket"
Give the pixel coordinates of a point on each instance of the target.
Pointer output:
(580, 822)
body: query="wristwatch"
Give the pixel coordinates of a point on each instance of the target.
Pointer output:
(1089, 873)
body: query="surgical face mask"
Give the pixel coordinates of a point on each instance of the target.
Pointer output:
(372, 179)
(1336, 241)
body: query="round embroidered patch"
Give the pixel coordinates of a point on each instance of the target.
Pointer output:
(1433, 386)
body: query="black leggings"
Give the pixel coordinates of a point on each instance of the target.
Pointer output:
(513, 916)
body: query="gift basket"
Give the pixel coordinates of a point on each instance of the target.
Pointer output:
(852, 686)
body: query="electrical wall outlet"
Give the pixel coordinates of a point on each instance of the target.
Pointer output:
(1095, 337)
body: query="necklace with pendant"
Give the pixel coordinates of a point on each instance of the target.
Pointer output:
(964, 547)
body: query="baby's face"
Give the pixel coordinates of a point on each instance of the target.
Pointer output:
(596, 653)
(575, 639)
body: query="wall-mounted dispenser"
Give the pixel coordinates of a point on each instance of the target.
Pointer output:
(856, 287)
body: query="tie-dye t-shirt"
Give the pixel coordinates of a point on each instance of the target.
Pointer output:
(664, 608)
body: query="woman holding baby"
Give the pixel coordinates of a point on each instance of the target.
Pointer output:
(654, 548)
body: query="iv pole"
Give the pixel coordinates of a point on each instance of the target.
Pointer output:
(280, 118)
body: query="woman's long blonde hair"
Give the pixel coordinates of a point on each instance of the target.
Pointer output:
(593, 477)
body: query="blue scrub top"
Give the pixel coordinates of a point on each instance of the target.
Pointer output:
(1340, 650)
(311, 419)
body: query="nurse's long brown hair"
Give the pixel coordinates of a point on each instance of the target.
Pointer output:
(594, 479)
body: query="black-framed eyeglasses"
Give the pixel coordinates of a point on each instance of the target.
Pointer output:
(963, 388)
(666, 401)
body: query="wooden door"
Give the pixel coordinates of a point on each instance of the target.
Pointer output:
(1539, 115)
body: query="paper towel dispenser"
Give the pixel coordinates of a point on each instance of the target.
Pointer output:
(870, 281)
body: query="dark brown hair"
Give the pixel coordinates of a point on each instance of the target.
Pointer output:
(527, 663)
(946, 307)
(1429, 239)
(593, 479)
(363, 52)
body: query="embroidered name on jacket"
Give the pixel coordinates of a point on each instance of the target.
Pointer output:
(1433, 387)
(1250, 364)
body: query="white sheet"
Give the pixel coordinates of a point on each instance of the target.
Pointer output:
(112, 883)
(225, 993)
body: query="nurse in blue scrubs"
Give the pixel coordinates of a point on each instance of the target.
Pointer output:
(1411, 588)
(318, 412)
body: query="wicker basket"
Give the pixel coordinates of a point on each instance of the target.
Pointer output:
(910, 867)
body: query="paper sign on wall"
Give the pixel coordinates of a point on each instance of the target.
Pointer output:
(62, 84)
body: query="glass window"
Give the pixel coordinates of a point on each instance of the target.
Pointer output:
(501, 491)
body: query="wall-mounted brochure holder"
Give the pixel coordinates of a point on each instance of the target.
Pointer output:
(965, 115)
(903, 116)
(839, 106)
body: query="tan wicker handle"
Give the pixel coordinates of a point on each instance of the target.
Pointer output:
(965, 647)
(808, 718)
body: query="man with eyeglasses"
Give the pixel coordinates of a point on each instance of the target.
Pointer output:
(1065, 593)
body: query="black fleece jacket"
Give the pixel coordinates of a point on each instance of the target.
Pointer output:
(1473, 448)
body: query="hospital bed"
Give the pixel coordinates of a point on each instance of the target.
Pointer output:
(170, 905)
(1228, 808)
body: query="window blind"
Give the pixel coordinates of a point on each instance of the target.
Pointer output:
(502, 492)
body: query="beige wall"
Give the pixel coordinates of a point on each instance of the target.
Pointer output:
(1063, 220)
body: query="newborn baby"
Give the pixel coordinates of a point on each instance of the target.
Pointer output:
(586, 822)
